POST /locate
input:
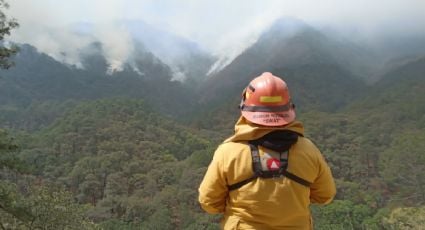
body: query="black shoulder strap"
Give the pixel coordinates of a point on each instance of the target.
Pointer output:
(256, 165)
(256, 161)
(297, 179)
(241, 183)
(258, 172)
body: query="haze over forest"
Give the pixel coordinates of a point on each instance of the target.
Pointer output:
(113, 109)
(64, 32)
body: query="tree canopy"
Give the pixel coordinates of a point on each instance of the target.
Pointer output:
(7, 24)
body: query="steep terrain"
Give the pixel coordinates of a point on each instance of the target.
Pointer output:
(311, 63)
(186, 59)
(314, 66)
(38, 78)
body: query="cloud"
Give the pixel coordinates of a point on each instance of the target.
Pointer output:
(207, 21)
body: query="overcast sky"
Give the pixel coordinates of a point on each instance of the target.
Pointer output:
(215, 24)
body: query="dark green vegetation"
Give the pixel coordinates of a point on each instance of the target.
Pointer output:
(131, 166)
(124, 151)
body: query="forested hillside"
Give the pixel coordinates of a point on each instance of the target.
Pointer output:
(40, 81)
(89, 148)
(132, 166)
(376, 150)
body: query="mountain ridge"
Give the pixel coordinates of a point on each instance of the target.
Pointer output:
(285, 56)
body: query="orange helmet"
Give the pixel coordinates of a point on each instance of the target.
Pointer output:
(266, 101)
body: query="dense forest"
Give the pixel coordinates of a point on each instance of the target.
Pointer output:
(83, 150)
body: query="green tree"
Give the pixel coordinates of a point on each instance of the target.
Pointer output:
(341, 214)
(403, 167)
(30, 206)
(160, 219)
(90, 189)
(6, 26)
(405, 218)
(8, 157)
(42, 208)
(10, 210)
(55, 209)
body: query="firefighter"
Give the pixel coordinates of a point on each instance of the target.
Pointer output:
(267, 174)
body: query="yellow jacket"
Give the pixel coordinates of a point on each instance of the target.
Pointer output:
(265, 203)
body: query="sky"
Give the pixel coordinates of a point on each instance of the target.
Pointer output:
(219, 26)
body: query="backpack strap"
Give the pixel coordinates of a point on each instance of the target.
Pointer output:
(258, 171)
(297, 179)
(256, 165)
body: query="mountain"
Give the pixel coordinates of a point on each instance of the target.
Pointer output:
(314, 66)
(37, 78)
(122, 43)
(324, 72)
(392, 52)
(398, 96)
(43, 77)
(378, 137)
(185, 58)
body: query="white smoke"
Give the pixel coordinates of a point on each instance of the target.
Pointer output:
(63, 45)
(66, 44)
(117, 45)
(224, 27)
(230, 45)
